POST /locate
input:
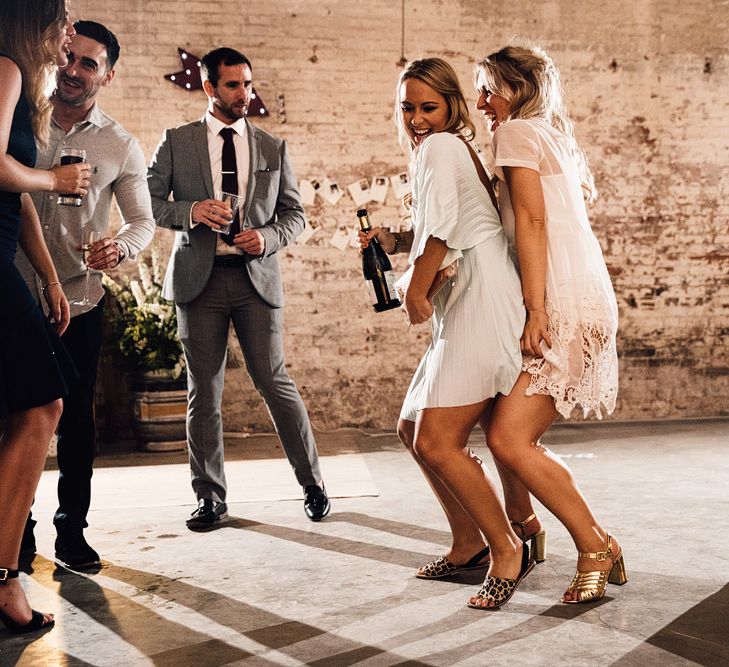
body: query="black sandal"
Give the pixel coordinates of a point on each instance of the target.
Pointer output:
(443, 567)
(36, 622)
(498, 590)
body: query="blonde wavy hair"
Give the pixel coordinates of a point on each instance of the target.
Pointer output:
(442, 78)
(27, 31)
(529, 80)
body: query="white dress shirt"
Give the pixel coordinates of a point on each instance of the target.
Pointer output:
(242, 160)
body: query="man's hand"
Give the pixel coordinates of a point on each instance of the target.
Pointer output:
(250, 240)
(211, 212)
(71, 179)
(104, 254)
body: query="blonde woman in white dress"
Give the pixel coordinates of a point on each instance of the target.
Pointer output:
(476, 323)
(569, 337)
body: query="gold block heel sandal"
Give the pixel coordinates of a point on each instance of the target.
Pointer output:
(537, 542)
(591, 585)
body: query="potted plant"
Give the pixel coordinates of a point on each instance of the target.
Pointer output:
(147, 349)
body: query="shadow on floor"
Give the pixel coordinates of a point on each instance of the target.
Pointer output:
(190, 624)
(169, 643)
(332, 543)
(701, 634)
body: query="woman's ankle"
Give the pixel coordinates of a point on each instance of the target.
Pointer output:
(465, 549)
(526, 526)
(608, 546)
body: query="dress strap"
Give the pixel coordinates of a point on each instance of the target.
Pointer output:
(482, 175)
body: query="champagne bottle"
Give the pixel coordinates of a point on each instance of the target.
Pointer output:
(377, 270)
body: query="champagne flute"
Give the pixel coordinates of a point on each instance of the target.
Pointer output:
(87, 240)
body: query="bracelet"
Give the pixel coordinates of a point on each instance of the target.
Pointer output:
(47, 285)
(399, 243)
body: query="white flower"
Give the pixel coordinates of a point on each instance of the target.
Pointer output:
(156, 269)
(179, 368)
(138, 293)
(143, 270)
(110, 284)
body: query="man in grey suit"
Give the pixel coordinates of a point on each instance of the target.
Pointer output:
(215, 277)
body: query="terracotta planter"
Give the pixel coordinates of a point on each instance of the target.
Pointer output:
(160, 408)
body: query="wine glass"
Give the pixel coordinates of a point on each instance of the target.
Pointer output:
(87, 240)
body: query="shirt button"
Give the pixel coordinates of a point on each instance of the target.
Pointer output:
(46, 227)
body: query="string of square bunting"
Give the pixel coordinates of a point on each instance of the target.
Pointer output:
(361, 192)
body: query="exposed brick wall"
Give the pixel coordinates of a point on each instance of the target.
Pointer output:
(648, 88)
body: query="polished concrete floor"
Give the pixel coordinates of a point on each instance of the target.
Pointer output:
(272, 588)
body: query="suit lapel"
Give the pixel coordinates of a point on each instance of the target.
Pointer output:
(200, 141)
(254, 148)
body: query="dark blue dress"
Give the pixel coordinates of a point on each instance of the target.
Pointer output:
(34, 365)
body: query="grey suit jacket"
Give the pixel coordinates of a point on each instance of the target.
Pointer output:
(181, 167)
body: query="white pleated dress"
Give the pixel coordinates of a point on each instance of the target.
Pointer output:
(479, 316)
(581, 368)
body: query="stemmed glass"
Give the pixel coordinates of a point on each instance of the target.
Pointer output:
(87, 240)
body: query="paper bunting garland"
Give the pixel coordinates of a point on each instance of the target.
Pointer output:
(315, 192)
(361, 192)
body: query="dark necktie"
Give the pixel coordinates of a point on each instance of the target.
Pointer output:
(230, 178)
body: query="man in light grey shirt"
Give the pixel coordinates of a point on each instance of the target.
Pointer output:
(119, 171)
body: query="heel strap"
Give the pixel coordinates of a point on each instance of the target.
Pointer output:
(523, 524)
(6, 574)
(600, 555)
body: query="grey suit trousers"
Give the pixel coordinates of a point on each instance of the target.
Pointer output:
(203, 329)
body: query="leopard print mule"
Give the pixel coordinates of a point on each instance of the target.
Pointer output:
(495, 591)
(443, 567)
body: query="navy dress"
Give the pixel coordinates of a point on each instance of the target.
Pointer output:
(34, 365)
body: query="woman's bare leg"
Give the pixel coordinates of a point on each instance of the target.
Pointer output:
(517, 500)
(23, 448)
(518, 422)
(467, 539)
(441, 442)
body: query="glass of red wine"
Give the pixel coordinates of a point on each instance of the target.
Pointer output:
(71, 156)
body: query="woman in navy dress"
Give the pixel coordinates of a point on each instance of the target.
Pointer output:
(33, 362)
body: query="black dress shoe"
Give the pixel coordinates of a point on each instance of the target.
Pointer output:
(208, 515)
(74, 552)
(316, 502)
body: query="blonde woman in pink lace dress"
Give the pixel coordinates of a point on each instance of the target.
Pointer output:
(568, 343)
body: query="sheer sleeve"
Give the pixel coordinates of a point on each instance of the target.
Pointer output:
(516, 144)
